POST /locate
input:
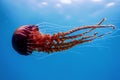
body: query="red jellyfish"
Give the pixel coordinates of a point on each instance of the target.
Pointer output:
(28, 38)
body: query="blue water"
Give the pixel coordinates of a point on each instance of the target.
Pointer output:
(98, 60)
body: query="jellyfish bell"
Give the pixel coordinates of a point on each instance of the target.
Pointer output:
(20, 39)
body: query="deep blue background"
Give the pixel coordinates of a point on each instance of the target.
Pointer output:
(99, 61)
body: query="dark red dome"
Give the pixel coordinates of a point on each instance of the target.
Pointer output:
(20, 39)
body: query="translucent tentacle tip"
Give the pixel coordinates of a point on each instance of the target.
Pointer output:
(113, 26)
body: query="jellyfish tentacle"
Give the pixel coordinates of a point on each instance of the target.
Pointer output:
(63, 46)
(57, 42)
(79, 35)
(64, 37)
(88, 27)
(63, 34)
(101, 21)
(83, 38)
(66, 45)
(84, 27)
(95, 28)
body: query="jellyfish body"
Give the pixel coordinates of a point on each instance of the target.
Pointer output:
(28, 38)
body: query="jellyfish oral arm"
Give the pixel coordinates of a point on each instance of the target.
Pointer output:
(59, 40)
(92, 27)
